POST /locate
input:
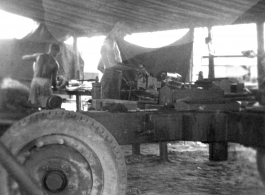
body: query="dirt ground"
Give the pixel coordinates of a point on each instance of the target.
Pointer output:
(189, 171)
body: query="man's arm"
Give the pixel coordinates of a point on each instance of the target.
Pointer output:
(63, 85)
(111, 58)
(54, 77)
(31, 56)
(137, 68)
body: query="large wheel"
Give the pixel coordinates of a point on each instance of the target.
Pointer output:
(261, 163)
(66, 153)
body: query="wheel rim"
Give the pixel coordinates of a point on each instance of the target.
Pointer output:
(59, 130)
(62, 165)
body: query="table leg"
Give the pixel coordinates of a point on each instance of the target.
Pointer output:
(78, 102)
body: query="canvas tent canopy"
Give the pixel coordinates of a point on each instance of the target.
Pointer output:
(12, 50)
(97, 17)
(63, 18)
(174, 57)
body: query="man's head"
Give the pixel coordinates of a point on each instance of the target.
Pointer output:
(54, 49)
(121, 29)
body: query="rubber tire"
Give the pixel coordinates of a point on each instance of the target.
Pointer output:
(80, 127)
(260, 157)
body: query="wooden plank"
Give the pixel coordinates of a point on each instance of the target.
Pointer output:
(98, 104)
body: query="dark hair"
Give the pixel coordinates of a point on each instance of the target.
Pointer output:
(55, 46)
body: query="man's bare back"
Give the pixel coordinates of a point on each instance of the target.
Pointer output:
(46, 67)
(45, 72)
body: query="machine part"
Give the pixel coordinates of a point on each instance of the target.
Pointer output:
(54, 102)
(96, 90)
(77, 154)
(9, 162)
(261, 163)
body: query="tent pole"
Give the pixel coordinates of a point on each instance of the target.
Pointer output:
(77, 71)
(191, 57)
(76, 58)
(260, 56)
(211, 56)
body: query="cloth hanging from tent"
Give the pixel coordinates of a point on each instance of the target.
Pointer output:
(173, 58)
(66, 58)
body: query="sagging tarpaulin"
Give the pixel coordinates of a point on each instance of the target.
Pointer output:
(97, 17)
(174, 58)
(68, 65)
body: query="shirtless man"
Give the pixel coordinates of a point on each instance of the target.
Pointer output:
(45, 71)
(111, 63)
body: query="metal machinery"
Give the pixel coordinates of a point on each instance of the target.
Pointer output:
(64, 152)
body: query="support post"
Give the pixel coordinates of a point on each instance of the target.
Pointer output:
(76, 58)
(260, 56)
(136, 149)
(77, 71)
(191, 59)
(211, 73)
(211, 67)
(218, 151)
(78, 102)
(163, 151)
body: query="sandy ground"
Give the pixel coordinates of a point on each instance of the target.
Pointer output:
(189, 171)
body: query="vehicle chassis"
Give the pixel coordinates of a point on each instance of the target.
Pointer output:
(217, 128)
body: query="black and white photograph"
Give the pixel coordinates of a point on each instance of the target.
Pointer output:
(132, 97)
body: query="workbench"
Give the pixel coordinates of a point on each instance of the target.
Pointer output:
(76, 93)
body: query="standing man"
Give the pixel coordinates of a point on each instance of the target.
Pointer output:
(45, 71)
(111, 63)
